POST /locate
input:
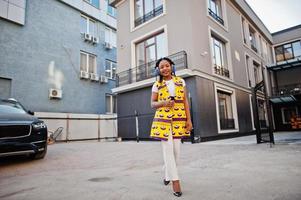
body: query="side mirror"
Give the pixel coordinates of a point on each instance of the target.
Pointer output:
(30, 112)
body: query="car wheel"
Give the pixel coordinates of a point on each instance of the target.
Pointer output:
(39, 155)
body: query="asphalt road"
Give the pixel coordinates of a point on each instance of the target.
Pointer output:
(236, 169)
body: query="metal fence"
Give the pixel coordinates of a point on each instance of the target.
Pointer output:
(146, 71)
(291, 89)
(148, 16)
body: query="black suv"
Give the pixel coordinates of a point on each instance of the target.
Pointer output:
(20, 132)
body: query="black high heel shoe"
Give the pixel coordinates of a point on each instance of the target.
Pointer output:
(166, 182)
(177, 194)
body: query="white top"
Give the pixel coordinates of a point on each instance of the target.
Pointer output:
(170, 86)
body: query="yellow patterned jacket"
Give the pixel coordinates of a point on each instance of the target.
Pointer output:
(170, 120)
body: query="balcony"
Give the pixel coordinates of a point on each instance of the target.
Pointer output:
(215, 16)
(148, 16)
(147, 70)
(226, 124)
(222, 71)
(285, 90)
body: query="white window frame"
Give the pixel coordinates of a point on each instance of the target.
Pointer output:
(282, 114)
(244, 23)
(112, 97)
(111, 36)
(256, 39)
(87, 64)
(228, 53)
(114, 14)
(89, 20)
(224, 14)
(265, 53)
(259, 73)
(132, 16)
(111, 68)
(234, 107)
(154, 32)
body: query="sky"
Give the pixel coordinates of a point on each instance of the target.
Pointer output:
(277, 14)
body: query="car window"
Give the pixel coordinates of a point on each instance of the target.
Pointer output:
(10, 109)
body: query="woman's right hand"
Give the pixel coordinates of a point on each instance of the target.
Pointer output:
(169, 103)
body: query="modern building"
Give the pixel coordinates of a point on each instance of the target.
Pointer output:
(58, 56)
(285, 77)
(220, 47)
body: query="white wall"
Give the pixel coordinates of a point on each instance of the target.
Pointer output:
(80, 126)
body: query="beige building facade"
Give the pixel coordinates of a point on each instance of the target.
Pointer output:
(220, 47)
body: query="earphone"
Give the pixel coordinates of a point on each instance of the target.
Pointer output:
(172, 64)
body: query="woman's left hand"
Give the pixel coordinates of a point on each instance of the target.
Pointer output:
(188, 125)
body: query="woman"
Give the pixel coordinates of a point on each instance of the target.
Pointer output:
(172, 119)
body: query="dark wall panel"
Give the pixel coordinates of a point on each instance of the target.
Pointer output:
(244, 111)
(128, 102)
(205, 112)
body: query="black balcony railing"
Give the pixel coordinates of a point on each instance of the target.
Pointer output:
(146, 71)
(291, 89)
(157, 11)
(221, 71)
(227, 124)
(215, 16)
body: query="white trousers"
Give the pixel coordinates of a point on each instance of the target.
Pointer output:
(171, 155)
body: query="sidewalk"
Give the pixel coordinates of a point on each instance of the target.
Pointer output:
(279, 137)
(234, 169)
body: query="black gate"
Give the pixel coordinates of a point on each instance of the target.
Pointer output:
(263, 133)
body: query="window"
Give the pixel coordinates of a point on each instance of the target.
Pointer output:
(259, 45)
(111, 10)
(243, 22)
(288, 51)
(111, 103)
(252, 39)
(225, 110)
(288, 113)
(265, 50)
(147, 52)
(256, 68)
(110, 70)
(88, 25)
(215, 10)
(95, 3)
(151, 49)
(88, 62)
(219, 57)
(145, 10)
(248, 70)
(110, 36)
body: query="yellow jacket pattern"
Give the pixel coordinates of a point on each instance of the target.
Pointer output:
(170, 120)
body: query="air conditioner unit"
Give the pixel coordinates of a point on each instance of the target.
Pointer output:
(94, 77)
(108, 45)
(95, 40)
(103, 79)
(84, 75)
(55, 93)
(87, 37)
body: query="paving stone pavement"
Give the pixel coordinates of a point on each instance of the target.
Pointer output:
(233, 169)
